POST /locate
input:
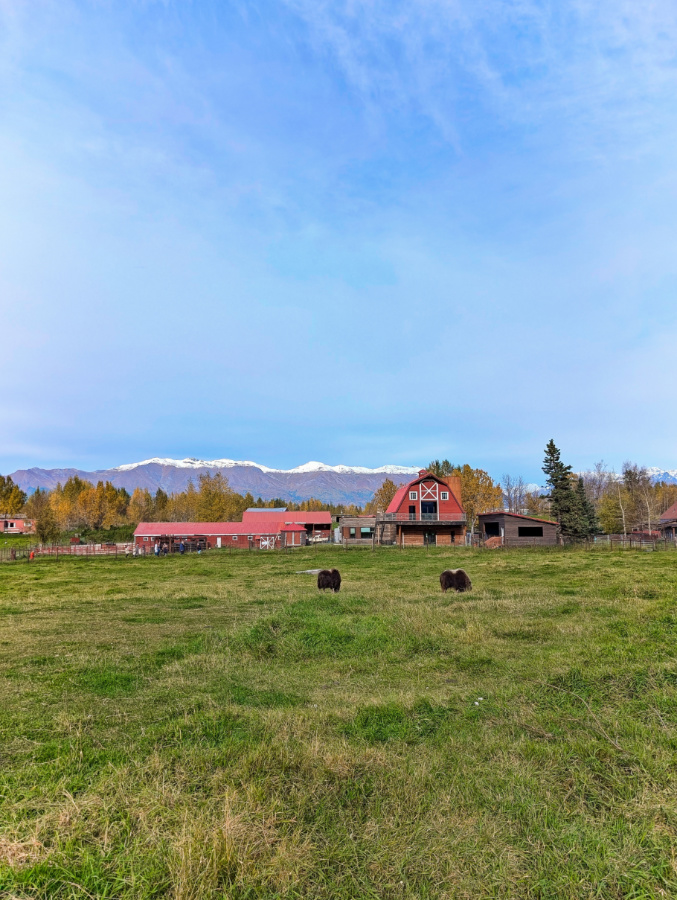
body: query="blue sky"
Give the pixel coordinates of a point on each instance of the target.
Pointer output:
(361, 231)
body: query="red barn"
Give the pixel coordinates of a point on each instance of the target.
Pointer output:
(428, 510)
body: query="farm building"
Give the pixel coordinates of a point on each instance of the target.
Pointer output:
(316, 524)
(16, 525)
(357, 529)
(426, 511)
(261, 532)
(517, 530)
(293, 535)
(668, 523)
(266, 536)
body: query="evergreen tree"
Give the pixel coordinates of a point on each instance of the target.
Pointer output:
(587, 518)
(441, 469)
(562, 499)
(160, 503)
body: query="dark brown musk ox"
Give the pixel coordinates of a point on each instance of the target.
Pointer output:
(329, 579)
(455, 579)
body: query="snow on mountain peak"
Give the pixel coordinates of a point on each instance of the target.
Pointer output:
(313, 466)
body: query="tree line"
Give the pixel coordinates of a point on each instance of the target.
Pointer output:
(584, 504)
(587, 503)
(79, 505)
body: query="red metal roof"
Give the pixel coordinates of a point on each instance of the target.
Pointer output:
(292, 526)
(503, 512)
(398, 498)
(205, 529)
(670, 513)
(302, 518)
(402, 492)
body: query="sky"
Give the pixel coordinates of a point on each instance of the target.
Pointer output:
(356, 231)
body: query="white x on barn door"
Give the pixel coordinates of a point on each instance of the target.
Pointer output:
(429, 491)
(267, 543)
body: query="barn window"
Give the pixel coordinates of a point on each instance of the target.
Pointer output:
(492, 529)
(145, 539)
(366, 532)
(234, 537)
(413, 495)
(530, 531)
(352, 532)
(445, 495)
(250, 537)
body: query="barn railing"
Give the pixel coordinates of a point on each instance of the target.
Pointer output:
(422, 517)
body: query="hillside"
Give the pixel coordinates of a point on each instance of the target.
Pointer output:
(331, 484)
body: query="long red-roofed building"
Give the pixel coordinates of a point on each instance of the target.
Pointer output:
(265, 530)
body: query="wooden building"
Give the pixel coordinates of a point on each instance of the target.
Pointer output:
(16, 524)
(516, 530)
(426, 511)
(668, 523)
(293, 535)
(357, 529)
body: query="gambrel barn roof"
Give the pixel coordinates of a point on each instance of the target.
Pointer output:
(403, 492)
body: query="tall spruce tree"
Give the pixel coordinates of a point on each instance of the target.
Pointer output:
(562, 499)
(570, 506)
(587, 523)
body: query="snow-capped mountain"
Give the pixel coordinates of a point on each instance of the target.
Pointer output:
(667, 475)
(332, 484)
(192, 463)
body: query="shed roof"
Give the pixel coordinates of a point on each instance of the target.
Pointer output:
(504, 512)
(670, 513)
(292, 526)
(303, 518)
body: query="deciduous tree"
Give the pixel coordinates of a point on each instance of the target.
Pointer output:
(12, 498)
(381, 499)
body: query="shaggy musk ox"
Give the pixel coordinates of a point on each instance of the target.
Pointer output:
(329, 579)
(455, 579)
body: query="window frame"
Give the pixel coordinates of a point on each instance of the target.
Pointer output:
(413, 495)
(444, 495)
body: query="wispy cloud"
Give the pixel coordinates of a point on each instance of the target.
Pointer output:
(606, 69)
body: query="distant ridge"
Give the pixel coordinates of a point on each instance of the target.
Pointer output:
(331, 484)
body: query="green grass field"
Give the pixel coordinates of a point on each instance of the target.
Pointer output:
(210, 727)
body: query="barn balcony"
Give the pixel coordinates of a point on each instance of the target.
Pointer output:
(414, 518)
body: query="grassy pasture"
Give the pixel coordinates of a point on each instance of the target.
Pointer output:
(210, 727)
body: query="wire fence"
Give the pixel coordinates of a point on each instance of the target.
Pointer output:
(61, 551)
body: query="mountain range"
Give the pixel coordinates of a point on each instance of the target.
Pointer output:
(331, 484)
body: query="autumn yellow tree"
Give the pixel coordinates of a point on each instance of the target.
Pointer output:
(217, 501)
(479, 493)
(12, 498)
(381, 499)
(141, 507)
